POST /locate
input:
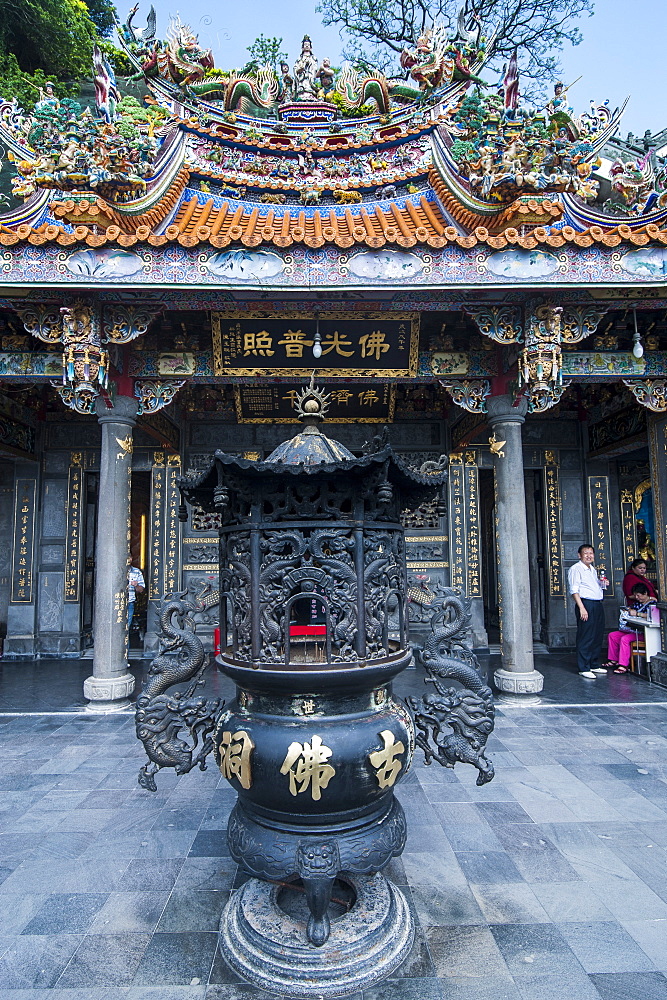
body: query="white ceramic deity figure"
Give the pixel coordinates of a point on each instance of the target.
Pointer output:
(305, 73)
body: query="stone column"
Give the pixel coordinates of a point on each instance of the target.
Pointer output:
(109, 688)
(517, 674)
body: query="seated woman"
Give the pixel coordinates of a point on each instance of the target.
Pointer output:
(637, 574)
(619, 643)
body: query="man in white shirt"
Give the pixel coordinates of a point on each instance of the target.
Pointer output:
(135, 585)
(586, 589)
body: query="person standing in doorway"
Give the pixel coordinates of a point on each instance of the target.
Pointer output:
(586, 587)
(135, 585)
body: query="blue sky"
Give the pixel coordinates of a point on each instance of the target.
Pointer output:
(622, 52)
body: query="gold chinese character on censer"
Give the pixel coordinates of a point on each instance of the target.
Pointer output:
(235, 750)
(384, 762)
(307, 768)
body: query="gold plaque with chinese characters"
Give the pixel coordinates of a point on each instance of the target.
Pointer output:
(338, 344)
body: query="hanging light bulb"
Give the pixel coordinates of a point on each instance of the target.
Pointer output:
(637, 346)
(317, 342)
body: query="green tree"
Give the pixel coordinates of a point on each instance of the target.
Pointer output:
(265, 52)
(378, 30)
(51, 39)
(102, 14)
(56, 36)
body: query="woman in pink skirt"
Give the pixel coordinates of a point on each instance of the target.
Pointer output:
(619, 643)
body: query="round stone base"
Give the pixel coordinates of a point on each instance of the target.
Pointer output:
(513, 682)
(108, 694)
(270, 948)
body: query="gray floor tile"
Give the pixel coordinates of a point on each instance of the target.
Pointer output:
(651, 936)
(488, 867)
(406, 989)
(138, 911)
(193, 910)
(503, 813)
(466, 951)
(630, 986)
(489, 988)
(222, 973)
(574, 986)
(571, 901)
(173, 959)
(209, 844)
(183, 819)
(64, 875)
(532, 950)
(166, 993)
(66, 913)
(607, 947)
(509, 903)
(150, 873)
(17, 910)
(83, 993)
(206, 873)
(105, 960)
(628, 899)
(471, 836)
(243, 991)
(36, 961)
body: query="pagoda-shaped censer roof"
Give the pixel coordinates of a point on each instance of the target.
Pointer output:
(310, 452)
(310, 446)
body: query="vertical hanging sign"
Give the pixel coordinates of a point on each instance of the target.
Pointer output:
(629, 526)
(598, 497)
(554, 538)
(158, 509)
(24, 539)
(73, 537)
(457, 521)
(171, 525)
(472, 534)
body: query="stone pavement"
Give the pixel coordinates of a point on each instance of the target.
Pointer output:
(550, 883)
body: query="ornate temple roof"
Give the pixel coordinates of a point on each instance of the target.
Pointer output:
(319, 157)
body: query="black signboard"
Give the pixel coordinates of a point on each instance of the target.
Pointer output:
(349, 403)
(345, 344)
(24, 536)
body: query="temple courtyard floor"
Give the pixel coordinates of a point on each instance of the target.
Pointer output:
(550, 883)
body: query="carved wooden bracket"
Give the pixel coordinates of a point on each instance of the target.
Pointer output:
(651, 393)
(468, 394)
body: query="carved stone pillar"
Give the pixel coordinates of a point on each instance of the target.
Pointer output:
(111, 684)
(517, 674)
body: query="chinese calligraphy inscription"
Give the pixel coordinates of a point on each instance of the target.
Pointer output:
(385, 762)
(235, 751)
(553, 512)
(306, 765)
(457, 521)
(598, 498)
(24, 537)
(351, 344)
(73, 538)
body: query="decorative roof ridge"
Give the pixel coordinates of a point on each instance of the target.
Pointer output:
(256, 233)
(330, 142)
